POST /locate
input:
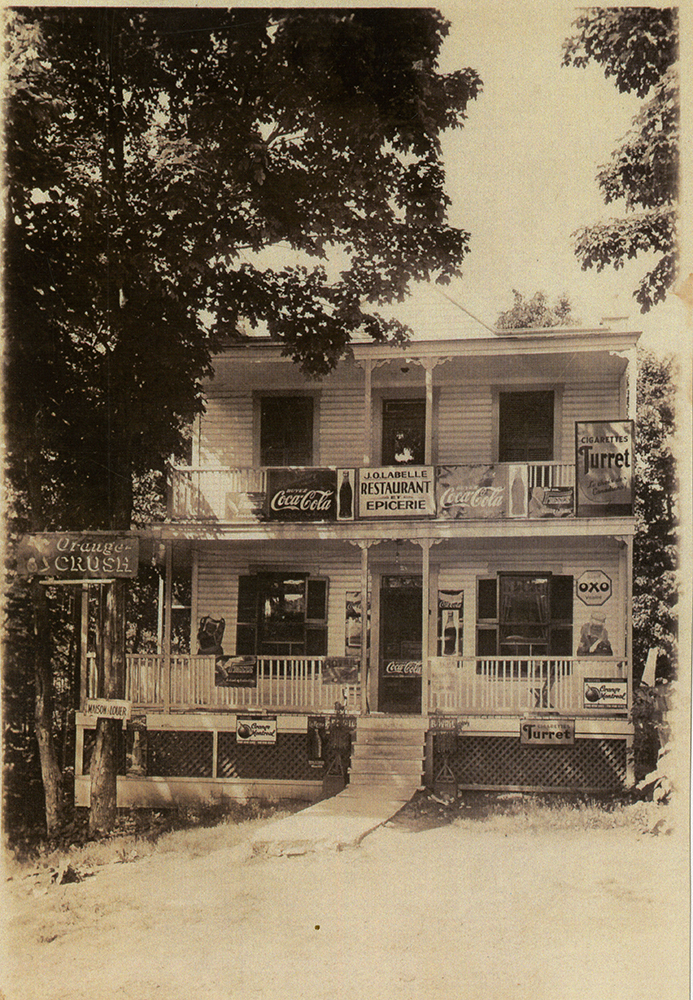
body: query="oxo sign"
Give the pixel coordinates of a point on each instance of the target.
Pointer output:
(594, 587)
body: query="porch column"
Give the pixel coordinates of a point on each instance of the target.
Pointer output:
(365, 679)
(428, 446)
(368, 413)
(168, 601)
(626, 568)
(425, 544)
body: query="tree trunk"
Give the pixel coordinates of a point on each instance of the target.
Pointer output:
(104, 763)
(43, 713)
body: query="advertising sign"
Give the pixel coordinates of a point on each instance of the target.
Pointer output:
(594, 587)
(406, 491)
(340, 670)
(403, 668)
(302, 494)
(466, 491)
(551, 501)
(547, 732)
(104, 708)
(256, 729)
(78, 555)
(604, 467)
(235, 671)
(606, 692)
(243, 506)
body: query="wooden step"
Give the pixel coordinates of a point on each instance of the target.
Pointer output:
(391, 767)
(399, 751)
(397, 782)
(411, 737)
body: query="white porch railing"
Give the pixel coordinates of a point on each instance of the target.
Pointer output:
(217, 493)
(295, 683)
(469, 685)
(477, 685)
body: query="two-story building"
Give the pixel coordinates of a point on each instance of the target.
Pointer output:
(439, 533)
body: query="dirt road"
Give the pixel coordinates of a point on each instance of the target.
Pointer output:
(461, 911)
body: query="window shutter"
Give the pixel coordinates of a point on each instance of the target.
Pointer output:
(316, 599)
(246, 627)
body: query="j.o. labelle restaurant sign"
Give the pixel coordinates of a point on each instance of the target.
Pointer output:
(78, 555)
(397, 492)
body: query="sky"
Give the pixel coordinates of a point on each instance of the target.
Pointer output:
(522, 172)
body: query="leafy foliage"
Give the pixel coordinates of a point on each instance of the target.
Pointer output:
(637, 46)
(535, 313)
(655, 555)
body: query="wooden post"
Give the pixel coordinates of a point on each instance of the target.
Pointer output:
(428, 448)
(425, 544)
(84, 647)
(168, 601)
(365, 679)
(368, 414)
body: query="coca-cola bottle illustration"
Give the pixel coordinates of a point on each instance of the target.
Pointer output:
(449, 635)
(346, 498)
(517, 495)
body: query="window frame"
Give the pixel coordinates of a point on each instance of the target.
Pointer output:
(558, 390)
(554, 625)
(249, 615)
(258, 397)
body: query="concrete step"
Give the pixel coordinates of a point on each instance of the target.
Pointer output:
(398, 768)
(396, 751)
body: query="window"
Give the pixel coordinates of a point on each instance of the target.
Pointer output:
(525, 426)
(282, 614)
(525, 614)
(286, 430)
(404, 431)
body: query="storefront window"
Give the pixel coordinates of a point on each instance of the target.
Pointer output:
(525, 614)
(282, 614)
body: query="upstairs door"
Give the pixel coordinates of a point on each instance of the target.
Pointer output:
(400, 646)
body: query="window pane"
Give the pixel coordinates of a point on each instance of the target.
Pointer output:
(524, 599)
(286, 430)
(404, 431)
(525, 426)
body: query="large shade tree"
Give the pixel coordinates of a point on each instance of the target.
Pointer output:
(638, 48)
(174, 175)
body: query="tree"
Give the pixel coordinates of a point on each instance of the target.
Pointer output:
(638, 47)
(536, 313)
(654, 552)
(154, 159)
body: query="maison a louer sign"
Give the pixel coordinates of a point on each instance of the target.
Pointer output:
(77, 555)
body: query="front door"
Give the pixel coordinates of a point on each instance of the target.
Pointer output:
(400, 646)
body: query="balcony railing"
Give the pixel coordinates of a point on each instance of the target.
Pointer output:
(468, 685)
(220, 494)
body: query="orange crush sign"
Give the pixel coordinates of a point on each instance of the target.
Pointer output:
(76, 555)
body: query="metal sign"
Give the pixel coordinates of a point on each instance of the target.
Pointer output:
(340, 670)
(301, 494)
(80, 555)
(256, 729)
(604, 466)
(472, 491)
(547, 732)
(403, 668)
(397, 492)
(235, 671)
(594, 587)
(605, 692)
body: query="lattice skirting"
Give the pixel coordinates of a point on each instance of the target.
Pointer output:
(503, 762)
(189, 754)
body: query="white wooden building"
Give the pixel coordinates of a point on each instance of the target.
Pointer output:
(439, 533)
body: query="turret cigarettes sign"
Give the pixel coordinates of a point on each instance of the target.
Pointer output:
(604, 467)
(78, 555)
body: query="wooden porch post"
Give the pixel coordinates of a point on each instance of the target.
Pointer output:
(365, 679)
(428, 447)
(168, 601)
(368, 414)
(425, 544)
(84, 647)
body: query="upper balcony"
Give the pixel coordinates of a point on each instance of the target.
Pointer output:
(525, 491)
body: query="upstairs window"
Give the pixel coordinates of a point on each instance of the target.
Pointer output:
(404, 431)
(286, 430)
(282, 614)
(525, 426)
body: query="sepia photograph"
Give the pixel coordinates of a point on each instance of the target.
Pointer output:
(347, 496)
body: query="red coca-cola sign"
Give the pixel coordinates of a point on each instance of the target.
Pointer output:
(301, 494)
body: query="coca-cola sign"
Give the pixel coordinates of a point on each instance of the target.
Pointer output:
(403, 668)
(471, 491)
(301, 494)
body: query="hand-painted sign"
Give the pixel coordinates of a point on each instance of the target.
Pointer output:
(256, 729)
(301, 494)
(235, 671)
(604, 464)
(78, 555)
(547, 732)
(103, 708)
(340, 670)
(551, 501)
(396, 492)
(471, 491)
(605, 692)
(594, 587)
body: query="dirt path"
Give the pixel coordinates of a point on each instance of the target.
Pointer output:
(459, 912)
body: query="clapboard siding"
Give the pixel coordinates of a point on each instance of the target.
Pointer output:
(465, 424)
(226, 436)
(341, 427)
